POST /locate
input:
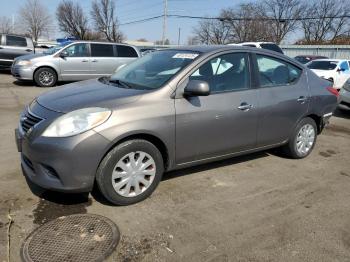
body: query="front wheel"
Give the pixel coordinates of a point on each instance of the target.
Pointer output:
(45, 77)
(130, 172)
(303, 139)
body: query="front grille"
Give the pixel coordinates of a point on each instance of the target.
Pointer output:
(28, 120)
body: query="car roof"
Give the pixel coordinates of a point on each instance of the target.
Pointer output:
(330, 60)
(99, 42)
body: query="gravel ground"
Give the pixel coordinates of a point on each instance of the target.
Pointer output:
(260, 207)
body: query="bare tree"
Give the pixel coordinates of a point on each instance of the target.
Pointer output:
(212, 31)
(327, 27)
(284, 15)
(246, 23)
(105, 19)
(5, 25)
(34, 18)
(72, 19)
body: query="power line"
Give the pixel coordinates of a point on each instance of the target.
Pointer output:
(234, 19)
(142, 20)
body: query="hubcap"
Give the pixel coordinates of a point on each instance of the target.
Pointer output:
(46, 78)
(133, 174)
(305, 139)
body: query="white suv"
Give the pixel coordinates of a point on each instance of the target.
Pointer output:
(335, 70)
(264, 45)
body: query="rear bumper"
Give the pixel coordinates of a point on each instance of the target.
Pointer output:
(22, 73)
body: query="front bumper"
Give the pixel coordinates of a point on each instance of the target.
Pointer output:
(67, 164)
(344, 101)
(22, 73)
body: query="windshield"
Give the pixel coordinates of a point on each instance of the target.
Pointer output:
(154, 69)
(323, 65)
(272, 47)
(53, 50)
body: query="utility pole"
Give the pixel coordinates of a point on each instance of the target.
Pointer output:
(179, 36)
(165, 16)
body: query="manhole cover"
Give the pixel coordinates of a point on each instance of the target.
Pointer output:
(75, 238)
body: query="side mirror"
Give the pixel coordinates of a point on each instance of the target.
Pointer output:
(64, 54)
(197, 88)
(340, 70)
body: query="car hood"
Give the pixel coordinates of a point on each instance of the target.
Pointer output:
(90, 93)
(30, 56)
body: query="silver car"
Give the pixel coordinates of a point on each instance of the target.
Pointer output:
(77, 61)
(344, 93)
(168, 110)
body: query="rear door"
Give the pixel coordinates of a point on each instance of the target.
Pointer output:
(76, 66)
(223, 122)
(283, 98)
(103, 60)
(12, 47)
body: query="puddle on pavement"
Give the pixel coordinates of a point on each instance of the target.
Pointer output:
(53, 205)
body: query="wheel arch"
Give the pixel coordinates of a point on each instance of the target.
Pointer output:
(45, 66)
(155, 140)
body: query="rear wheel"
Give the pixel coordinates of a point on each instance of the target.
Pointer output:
(45, 77)
(130, 172)
(303, 139)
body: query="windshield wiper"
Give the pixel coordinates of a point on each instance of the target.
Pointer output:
(121, 83)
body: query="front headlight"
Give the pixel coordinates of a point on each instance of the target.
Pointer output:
(77, 122)
(24, 63)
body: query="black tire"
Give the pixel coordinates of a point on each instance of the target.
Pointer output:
(105, 169)
(290, 149)
(39, 77)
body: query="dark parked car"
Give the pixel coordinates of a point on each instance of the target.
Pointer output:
(307, 58)
(167, 110)
(12, 46)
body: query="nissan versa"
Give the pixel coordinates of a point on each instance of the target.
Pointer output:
(168, 110)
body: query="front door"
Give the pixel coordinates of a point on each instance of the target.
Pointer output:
(223, 122)
(76, 65)
(283, 99)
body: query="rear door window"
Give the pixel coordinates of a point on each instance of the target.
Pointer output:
(126, 51)
(275, 72)
(16, 41)
(101, 50)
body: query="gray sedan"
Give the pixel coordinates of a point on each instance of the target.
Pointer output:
(169, 110)
(344, 93)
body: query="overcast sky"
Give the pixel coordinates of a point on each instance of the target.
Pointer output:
(131, 10)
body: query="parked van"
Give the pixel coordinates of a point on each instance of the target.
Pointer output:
(79, 60)
(12, 46)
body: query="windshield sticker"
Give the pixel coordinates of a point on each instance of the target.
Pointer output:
(185, 55)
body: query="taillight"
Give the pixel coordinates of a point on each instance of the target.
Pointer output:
(333, 91)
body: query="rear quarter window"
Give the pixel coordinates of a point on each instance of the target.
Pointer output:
(16, 41)
(126, 51)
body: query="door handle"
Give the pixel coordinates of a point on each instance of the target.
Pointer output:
(29, 50)
(84, 61)
(94, 60)
(302, 99)
(245, 106)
